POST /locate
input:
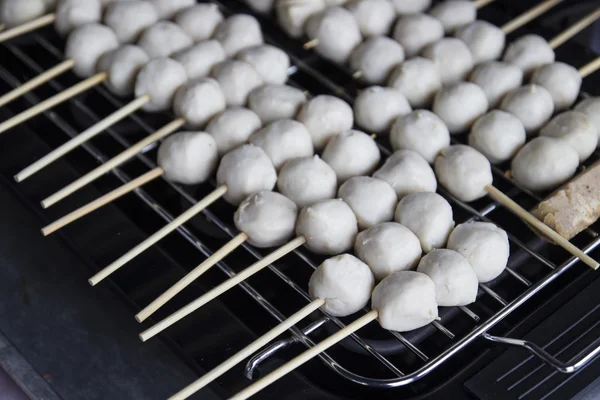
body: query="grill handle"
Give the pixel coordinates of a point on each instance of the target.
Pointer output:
(573, 365)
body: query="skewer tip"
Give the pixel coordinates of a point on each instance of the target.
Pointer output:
(142, 337)
(139, 319)
(18, 178)
(92, 282)
(45, 204)
(45, 231)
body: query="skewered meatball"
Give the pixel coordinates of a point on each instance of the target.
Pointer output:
(344, 282)
(237, 79)
(375, 17)
(421, 131)
(325, 116)
(239, 32)
(159, 79)
(292, 16)
(274, 102)
(529, 52)
(460, 105)
(464, 172)
(405, 301)
(532, 104)
(72, 14)
(86, 44)
(164, 39)
(17, 12)
(270, 62)
(455, 280)
(455, 14)
(407, 172)
(575, 129)
(130, 18)
(201, 58)
(283, 140)
(233, 127)
(415, 32)
(168, 8)
(245, 170)
(484, 245)
(351, 145)
(375, 58)
(198, 101)
(199, 21)
(561, 80)
(376, 108)
(372, 200)
(337, 32)
(188, 157)
(307, 180)
(268, 218)
(329, 226)
(496, 79)
(486, 41)
(453, 58)
(418, 79)
(498, 135)
(122, 66)
(544, 163)
(428, 216)
(591, 108)
(404, 7)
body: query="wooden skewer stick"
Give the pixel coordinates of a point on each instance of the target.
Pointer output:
(528, 16)
(114, 162)
(222, 288)
(589, 68)
(575, 29)
(30, 26)
(482, 3)
(158, 235)
(101, 201)
(506, 201)
(52, 101)
(311, 44)
(83, 137)
(248, 350)
(191, 276)
(36, 82)
(306, 356)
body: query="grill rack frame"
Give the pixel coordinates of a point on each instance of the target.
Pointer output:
(298, 334)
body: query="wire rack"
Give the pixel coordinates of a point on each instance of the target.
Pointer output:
(533, 264)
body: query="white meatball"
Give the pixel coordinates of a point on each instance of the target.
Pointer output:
(415, 32)
(460, 105)
(239, 32)
(274, 102)
(575, 129)
(418, 79)
(293, 15)
(337, 32)
(283, 140)
(86, 44)
(404, 7)
(129, 19)
(455, 280)
(270, 62)
(164, 39)
(198, 101)
(260, 6)
(453, 58)
(17, 12)
(307, 180)
(428, 216)
(122, 66)
(245, 170)
(188, 157)
(562, 81)
(372, 200)
(199, 21)
(168, 8)
(354, 146)
(375, 58)
(237, 79)
(344, 282)
(387, 248)
(421, 131)
(405, 301)
(159, 79)
(407, 172)
(325, 116)
(544, 163)
(484, 245)
(376, 108)
(529, 52)
(591, 108)
(329, 226)
(496, 79)
(486, 41)
(498, 135)
(464, 172)
(71, 14)
(233, 127)
(375, 17)
(268, 218)
(201, 58)
(532, 104)
(455, 14)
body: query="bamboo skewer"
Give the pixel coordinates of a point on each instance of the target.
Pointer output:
(306, 356)
(248, 350)
(83, 137)
(30, 26)
(222, 288)
(114, 162)
(589, 68)
(482, 3)
(528, 16)
(575, 29)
